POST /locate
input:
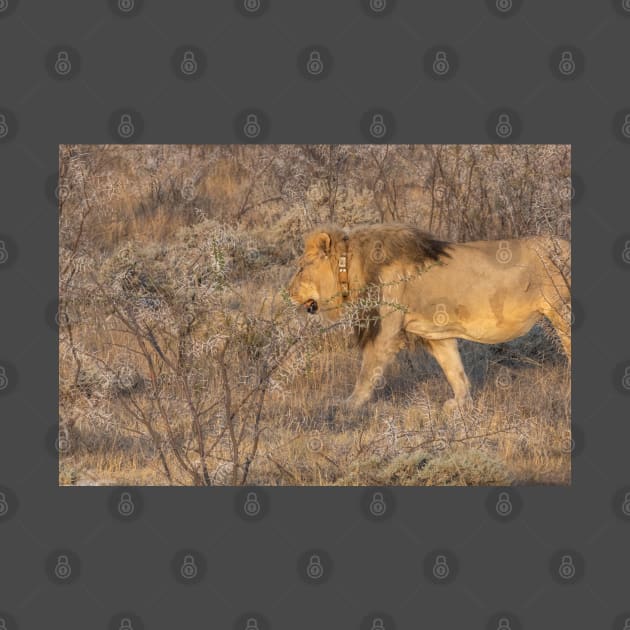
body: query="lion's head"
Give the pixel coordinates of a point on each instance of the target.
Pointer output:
(315, 286)
(318, 284)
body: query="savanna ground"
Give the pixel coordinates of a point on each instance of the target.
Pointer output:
(182, 362)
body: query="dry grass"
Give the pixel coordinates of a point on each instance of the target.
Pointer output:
(518, 433)
(182, 363)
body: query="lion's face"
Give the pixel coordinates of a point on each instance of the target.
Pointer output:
(314, 287)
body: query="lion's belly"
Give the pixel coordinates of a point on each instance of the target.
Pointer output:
(477, 310)
(480, 329)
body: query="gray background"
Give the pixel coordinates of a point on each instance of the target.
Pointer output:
(377, 62)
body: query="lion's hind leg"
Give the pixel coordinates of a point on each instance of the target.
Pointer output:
(447, 355)
(560, 318)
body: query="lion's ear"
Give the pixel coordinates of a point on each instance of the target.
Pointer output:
(319, 243)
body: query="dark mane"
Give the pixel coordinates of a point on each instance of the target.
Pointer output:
(381, 245)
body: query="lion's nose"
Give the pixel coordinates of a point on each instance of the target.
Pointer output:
(311, 307)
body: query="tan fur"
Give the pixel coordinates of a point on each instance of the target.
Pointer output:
(403, 280)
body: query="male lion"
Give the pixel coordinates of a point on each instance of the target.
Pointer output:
(393, 278)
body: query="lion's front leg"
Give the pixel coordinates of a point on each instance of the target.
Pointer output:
(377, 355)
(447, 355)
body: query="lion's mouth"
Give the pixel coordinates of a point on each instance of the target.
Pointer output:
(311, 306)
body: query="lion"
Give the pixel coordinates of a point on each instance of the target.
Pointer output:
(391, 279)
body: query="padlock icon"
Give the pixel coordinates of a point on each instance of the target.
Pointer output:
(503, 379)
(251, 624)
(3, 621)
(504, 253)
(251, 507)
(440, 317)
(63, 570)
(625, 128)
(625, 506)
(504, 126)
(188, 194)
(377, 254)
(314, 569)
(251, 128)
(625, 255)
(378, 5)
(126, 5)
(315, 65)
(251, 5)
(378, 380)
(440, 63)
(62, 443)
(504, 624)
(125, 624)
(566, 570)
(504, 5)
(439, 191)
(441, 569)
(378, 624)
(4, 5)
(126, 127)
(4, 506)
(626, 625)
(4, 254)
(62, 64)
(61, 192)
(189, 64)
(4, 379)
(504, 504)
(4, 128)
(625, 381)
(125, 505)
(189, 568)
(567, 63)
(377, 126)
(626, 7)
(378, 506)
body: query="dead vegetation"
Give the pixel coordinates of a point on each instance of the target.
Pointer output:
(182, 362)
